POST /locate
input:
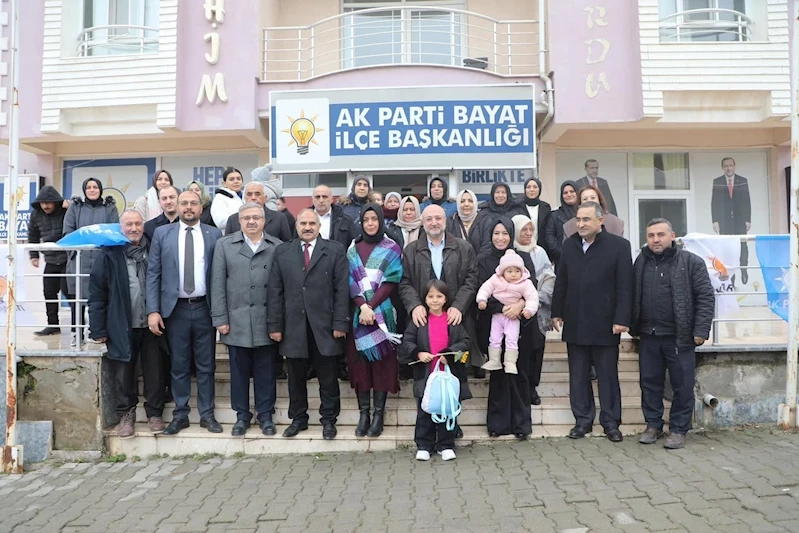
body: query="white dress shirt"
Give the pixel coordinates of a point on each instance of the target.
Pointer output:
(253, 245)
(310, 248)
(326, 220)
(199, 259)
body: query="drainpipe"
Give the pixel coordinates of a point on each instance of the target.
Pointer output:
(544, 74)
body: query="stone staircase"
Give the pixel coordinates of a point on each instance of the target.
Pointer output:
(550, 419)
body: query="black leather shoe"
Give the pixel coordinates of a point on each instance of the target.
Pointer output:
(343, 375)
(268, 427)
(211, 425)
(49, 330)
(578, 432)
(175, 426)
(493, 434)
(614, 435)
(295, 428)
(521, 436)
(535, 399)
(329, 431)
(239, 428)
(479, 373)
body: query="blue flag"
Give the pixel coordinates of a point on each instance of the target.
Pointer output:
(774, 258)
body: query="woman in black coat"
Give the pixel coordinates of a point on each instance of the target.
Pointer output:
(553, 238)
(538, 210)
(501, 204)
(508, 394)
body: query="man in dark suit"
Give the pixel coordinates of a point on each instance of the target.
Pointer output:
(275, 224)
(178, 292)
(592, 178)
(308, 314)
(168, 200)
(731, 208)
(593, 302)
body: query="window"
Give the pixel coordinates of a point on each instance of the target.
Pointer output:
(400, 33)
(661, 172)
(309, 181)
(112, 27)
(704, 20)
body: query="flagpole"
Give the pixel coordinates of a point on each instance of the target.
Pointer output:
(788, 417)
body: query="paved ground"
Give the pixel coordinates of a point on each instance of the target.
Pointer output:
(729, 481)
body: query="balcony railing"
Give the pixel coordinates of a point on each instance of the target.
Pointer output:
(706, 25)
(117, 40)
(401, 35)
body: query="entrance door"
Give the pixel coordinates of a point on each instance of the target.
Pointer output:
(407, 184)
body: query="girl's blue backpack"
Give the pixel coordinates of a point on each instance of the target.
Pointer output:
(441, 394)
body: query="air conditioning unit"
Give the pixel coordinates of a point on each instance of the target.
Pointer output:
(476, 62)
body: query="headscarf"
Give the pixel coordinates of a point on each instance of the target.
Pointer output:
(415, 223)
(519, 222)
(570, 210)
(444, 197)
(354, 199)
(99, 200)
(494, 206)
(463, 217)
(377, 237)
(530, 201)
(204, 198)
(506, 222)
(391, 214)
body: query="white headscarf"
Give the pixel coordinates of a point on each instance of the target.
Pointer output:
(519, 223)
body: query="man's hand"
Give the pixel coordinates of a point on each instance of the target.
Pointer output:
(716, 227)
(338, 334)
(748, 226)
(419, 316)
(454, 317)
(367, 317)
(699, 341)
(557, 323)
(513, 310)
(35, 262)
(618, 330)
(425, 357)
(482, 305)
(277, 336)
(224, 329)
(156, 323)
(527, 314)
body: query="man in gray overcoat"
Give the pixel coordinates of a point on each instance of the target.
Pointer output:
(239, 278)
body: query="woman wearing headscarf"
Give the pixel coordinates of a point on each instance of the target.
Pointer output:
(538, 210)
(375, 266)
(409, 222)
(356, 199)
(205, 201)
(508, 394)
(86, 211)
(501, 204)
(228, 197)
(438, 194)
(148, 205)
(566, 211)
(545, 284)
(610, 222)
(391, 204)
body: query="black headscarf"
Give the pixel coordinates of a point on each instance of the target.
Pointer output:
(570, 210)
(354, 198)
(529, 201)
(444, 197)
(99, 198)
(377, 237)
(508, 224)
(494, 206)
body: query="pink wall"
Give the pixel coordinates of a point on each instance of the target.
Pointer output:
(579, 66)
(239, 61)
(29, 164)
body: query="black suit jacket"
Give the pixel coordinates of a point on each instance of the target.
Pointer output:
(319, 297)
(157, 222)
(275, 224)
(604, 188)
(732, 214)
(594, 290)
(342, 229)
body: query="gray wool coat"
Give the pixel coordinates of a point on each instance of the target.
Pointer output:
(79, 215)
(239, 280)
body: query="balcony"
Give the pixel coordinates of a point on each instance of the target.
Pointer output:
(402, 35)
(706, 25)
(117, 40)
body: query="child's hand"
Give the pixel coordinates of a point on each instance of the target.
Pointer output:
(527, 313)
(482, 305)
(425, 357)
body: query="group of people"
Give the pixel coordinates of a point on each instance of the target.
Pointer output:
(376, 287)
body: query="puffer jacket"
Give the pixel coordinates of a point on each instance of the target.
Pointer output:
(79, 215)
(47, 228)
(692, 295)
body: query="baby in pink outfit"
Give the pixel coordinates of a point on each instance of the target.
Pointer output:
(510, 284)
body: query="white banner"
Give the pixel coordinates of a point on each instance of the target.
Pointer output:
(25, 314)
(722, 256)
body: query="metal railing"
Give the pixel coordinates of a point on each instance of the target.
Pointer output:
(709, 24)
(117, 39)
(401, 35)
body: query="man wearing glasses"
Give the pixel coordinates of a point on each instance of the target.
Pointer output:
(178, 297)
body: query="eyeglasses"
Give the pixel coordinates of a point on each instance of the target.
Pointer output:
(256, 218)
(184, 203)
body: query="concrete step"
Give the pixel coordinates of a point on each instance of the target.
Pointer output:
(195, 440)
(402, 412)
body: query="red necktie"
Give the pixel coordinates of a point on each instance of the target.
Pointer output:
(593, 182)
(307, 256)
(729, 186)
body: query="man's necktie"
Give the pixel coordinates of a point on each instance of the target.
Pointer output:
(729, 186)
(307, 255)
(188, 263)
(593, 182)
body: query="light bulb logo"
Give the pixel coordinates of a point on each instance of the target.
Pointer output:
(302, 131)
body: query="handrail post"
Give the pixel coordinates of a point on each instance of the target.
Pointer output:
(313, 51)
(452, 37)
(266, 55)
(496, 48)
(715, 321)
(78, 308)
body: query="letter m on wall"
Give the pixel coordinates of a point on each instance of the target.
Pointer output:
(210, 89)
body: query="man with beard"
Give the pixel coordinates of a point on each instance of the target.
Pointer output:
(47, 225)
(168, 200)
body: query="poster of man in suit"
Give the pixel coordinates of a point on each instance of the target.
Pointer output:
(592, 178)
(731, 208)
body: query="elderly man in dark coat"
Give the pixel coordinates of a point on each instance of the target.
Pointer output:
(117, 316)
(308, 304)
(593, 302)
(275, 223)
(239, 278)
